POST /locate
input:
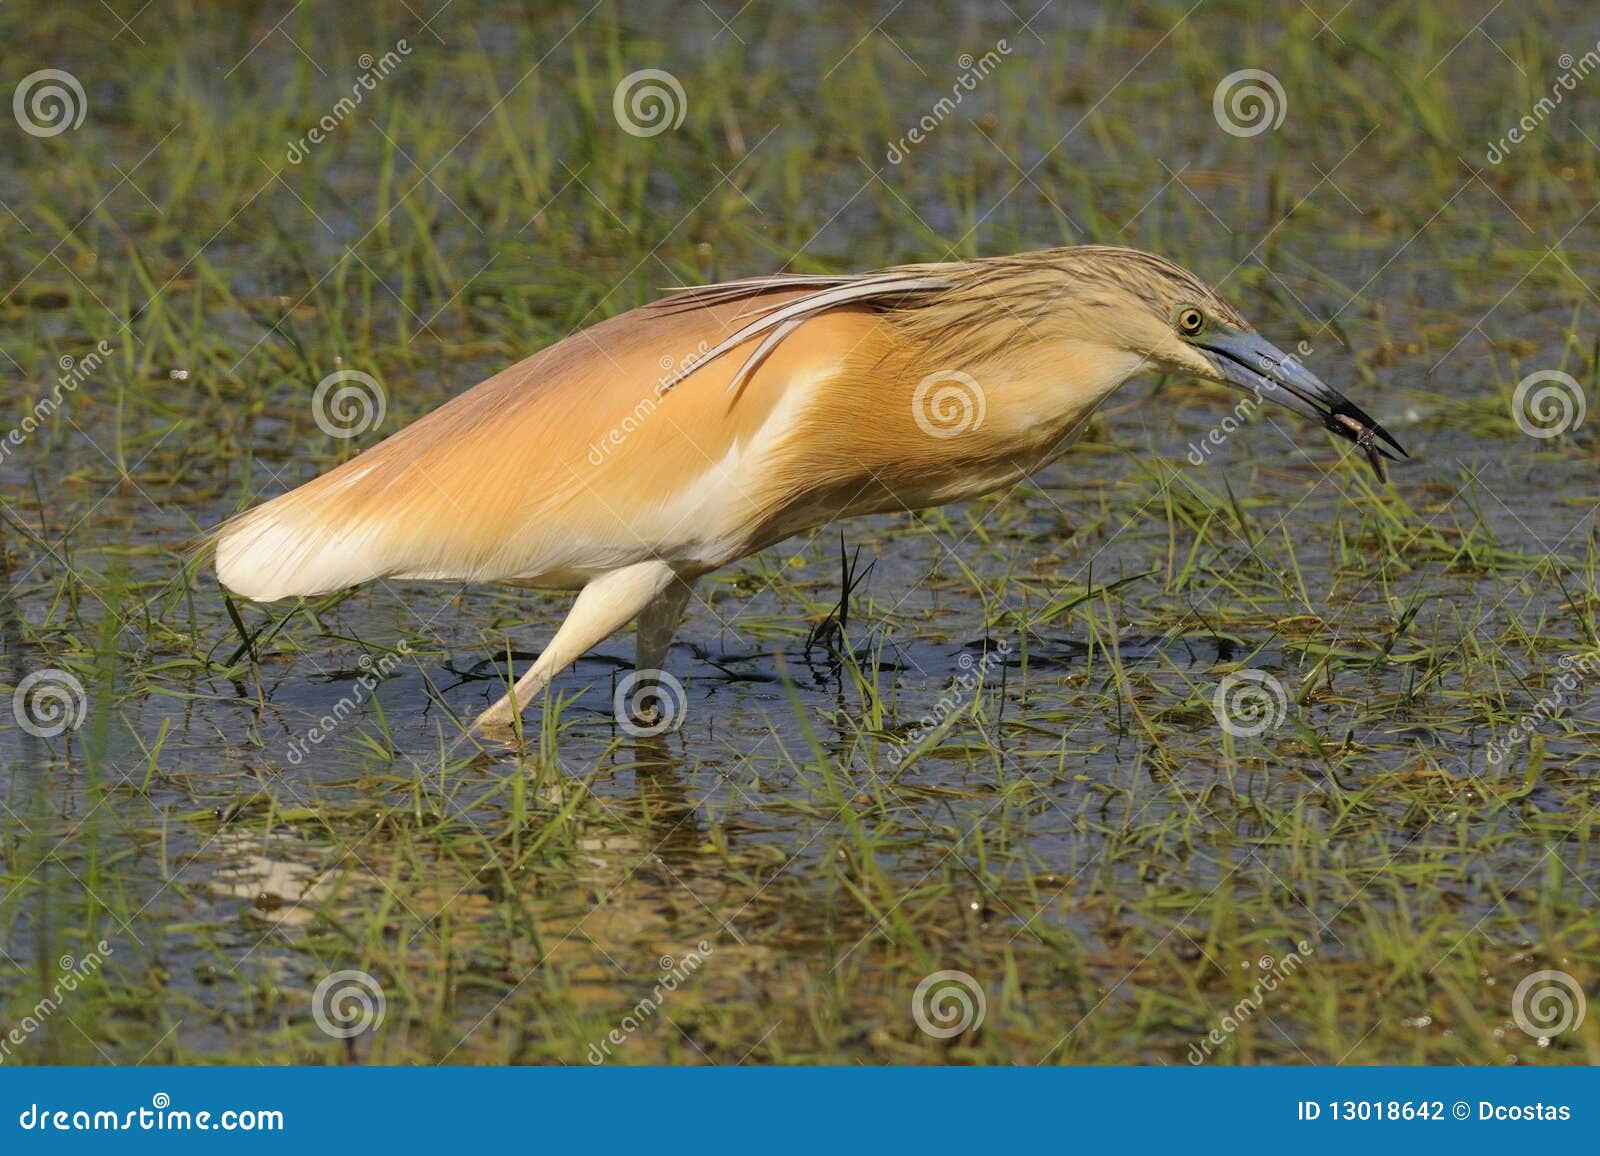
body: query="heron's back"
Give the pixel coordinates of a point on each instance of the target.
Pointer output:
(566, 464)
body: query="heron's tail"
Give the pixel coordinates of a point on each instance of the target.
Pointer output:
(302, 543)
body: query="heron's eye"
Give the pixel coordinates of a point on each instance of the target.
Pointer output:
(1190, 321)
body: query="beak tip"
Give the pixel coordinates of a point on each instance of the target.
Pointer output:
(1245, 359)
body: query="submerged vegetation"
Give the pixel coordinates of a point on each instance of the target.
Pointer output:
(1065, 775)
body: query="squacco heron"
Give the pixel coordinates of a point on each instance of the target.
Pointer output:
(646, 451)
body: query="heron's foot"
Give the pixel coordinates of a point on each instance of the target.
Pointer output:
(499, 722)
(645, 715)
(648, 703)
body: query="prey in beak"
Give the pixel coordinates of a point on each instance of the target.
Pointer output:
(1250, 362)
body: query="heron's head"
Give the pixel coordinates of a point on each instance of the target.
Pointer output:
(1148, 306)
(1135, 303)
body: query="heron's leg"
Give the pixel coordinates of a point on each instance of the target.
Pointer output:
(658, 623)
(604, 606)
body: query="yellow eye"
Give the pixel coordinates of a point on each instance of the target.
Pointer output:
(1190, 321)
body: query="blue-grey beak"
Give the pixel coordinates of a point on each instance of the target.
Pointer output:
(1252, 363)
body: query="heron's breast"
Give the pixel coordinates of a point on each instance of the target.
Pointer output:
(890, 433)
